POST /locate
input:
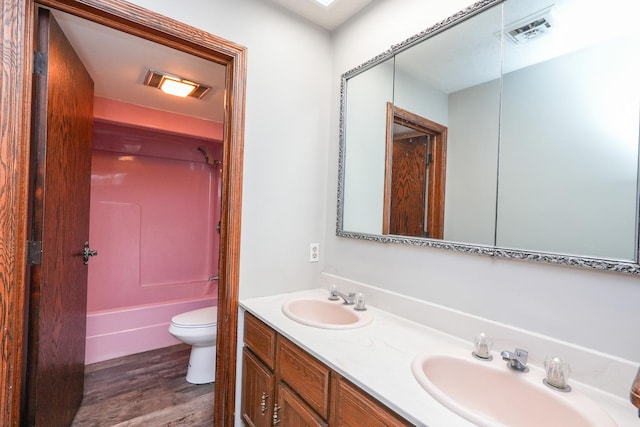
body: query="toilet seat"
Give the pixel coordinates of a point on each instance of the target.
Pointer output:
(199, 318)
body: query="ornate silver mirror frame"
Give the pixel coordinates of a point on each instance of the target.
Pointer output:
(494, 251)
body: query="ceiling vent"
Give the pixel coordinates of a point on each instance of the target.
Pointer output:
(530, 27)
(189, 88)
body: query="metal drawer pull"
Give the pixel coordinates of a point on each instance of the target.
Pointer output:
(263, 403)
(276, 420)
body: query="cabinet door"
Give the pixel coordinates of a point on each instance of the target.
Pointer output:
(304, 374)
(258, 387)
(354, 408)
(293, 411)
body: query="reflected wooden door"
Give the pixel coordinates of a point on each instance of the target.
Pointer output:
(61, 167)
(409, 186)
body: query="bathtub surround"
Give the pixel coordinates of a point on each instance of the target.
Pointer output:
(155, 204)
(129, 330)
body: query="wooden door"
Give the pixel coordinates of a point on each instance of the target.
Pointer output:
(61, 167)
(409, 186)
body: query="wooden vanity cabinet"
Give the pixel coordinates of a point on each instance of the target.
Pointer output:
(353, 407)
(284, 385)
(258, 378)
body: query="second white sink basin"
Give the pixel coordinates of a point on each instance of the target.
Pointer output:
(322, 313)
(488, 393)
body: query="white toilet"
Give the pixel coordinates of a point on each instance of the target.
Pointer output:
(198, 328)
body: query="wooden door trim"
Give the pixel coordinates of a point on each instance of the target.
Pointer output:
(15, 82)
(437, 173)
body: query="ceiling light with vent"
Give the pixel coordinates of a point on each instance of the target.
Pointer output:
(530, 27)
(174, 85)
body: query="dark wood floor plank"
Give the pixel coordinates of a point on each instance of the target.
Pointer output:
(146, 389)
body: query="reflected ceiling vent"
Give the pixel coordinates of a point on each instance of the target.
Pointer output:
(174, 85)
(531, 27)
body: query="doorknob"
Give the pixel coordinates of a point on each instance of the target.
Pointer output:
(87, 253)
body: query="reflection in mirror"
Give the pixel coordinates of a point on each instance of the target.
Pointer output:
(414, 175)
(543, 123)
(453, 79)
(364, 158)
(569, 129)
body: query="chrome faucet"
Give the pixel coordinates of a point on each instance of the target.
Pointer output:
(335, 295)
(516, 360)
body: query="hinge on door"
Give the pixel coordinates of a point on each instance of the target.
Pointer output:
(40, 63)
(429, 158)
(34, 252)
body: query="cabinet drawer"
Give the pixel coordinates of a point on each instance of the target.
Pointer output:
(261, 339)
(304, 374)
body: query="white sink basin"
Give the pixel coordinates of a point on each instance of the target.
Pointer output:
(322, 313)
(488, 393)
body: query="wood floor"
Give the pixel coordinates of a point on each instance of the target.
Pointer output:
(147, 389)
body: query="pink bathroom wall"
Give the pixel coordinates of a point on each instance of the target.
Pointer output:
(155, 205)
(110, 110)
(154, 211)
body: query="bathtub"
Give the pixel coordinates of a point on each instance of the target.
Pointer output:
(130, 330)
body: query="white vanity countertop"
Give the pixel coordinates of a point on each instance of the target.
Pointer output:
(378, 358)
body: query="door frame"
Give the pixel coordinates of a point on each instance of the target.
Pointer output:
(17, 24)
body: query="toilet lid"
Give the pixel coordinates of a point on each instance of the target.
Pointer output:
(207, 316)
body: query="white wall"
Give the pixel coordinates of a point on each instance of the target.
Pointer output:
(286, 135)
(590, 308)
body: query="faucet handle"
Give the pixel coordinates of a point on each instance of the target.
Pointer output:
(482, 344)
(333, 293)
(361, 304)
(557, 371)
(522, 355)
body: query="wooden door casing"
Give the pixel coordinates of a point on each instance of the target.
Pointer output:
(62, 133)
(17, 64)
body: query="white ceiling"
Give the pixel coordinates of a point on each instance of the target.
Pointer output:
(329, 17)
(118, 64)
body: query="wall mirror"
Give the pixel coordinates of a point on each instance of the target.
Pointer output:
(540, 100)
